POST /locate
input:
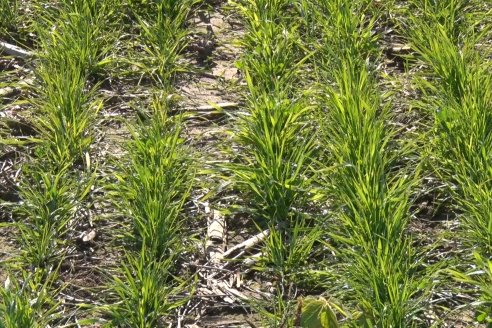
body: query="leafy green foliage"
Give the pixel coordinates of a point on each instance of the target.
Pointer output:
(151, 190)
(70, 53)
(72, 46)
(277, 140)
(76, 38)
(317, 313)
(68, 114)
(480, 277)
(275, 136)
(445, 36)
(368, 189)
(372, 203)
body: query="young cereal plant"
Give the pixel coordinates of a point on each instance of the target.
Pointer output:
(275, 134)
(73, 46)
(455, 17)
(28, 302)
(147, 291)
(76, 37)
(151, 190)
(154, 185)
(377, 261)
(346, 34)
(274, 62)
(277, 140)
(460, 101)
(69, 111)
(256, 12)
(164, 37)
(378, 270)
(50, 205)
(460, 152)
(9, 16)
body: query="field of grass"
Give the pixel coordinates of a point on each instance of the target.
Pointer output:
(245, 163)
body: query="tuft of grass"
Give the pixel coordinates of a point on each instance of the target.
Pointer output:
(456, 93)
(154, 185)
(163, 37)
(51, 202)
(28, 301)
(151, 189)
(72, 46)
(68, 113)
(75, 45)
(480, 277)
(9, 16)
(277, 140)
(274, 134)
(76, 37)
(371, 202)
(147, 291)
(367, 189)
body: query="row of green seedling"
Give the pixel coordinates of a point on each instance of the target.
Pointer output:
(449, 37)
(154, 178)
(374, 271)
(55, 182)
(276, 140)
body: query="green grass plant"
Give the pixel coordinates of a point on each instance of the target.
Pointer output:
(274, 135)
(72, 47)
(68, 111)
(147, 291)
(163, 37)
(368, 190)
(479, 276)
(77, 37)
(371, 205)
(9, 16)
(51, 201)
(276, 140)
(28, 301)
(345, 33)
(457, 93)
(154, 185)
(151, 189)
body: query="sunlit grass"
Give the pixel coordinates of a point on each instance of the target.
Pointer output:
(163, 37)
(51, 202)
(9, 15)
(151, 190)
(147, 291)
(28, 301)
(371, 203)
(71, 46)
(68, 113)
(276, 139)
(367, 189)
(457, 93)
(315, 132)
(154, 184)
